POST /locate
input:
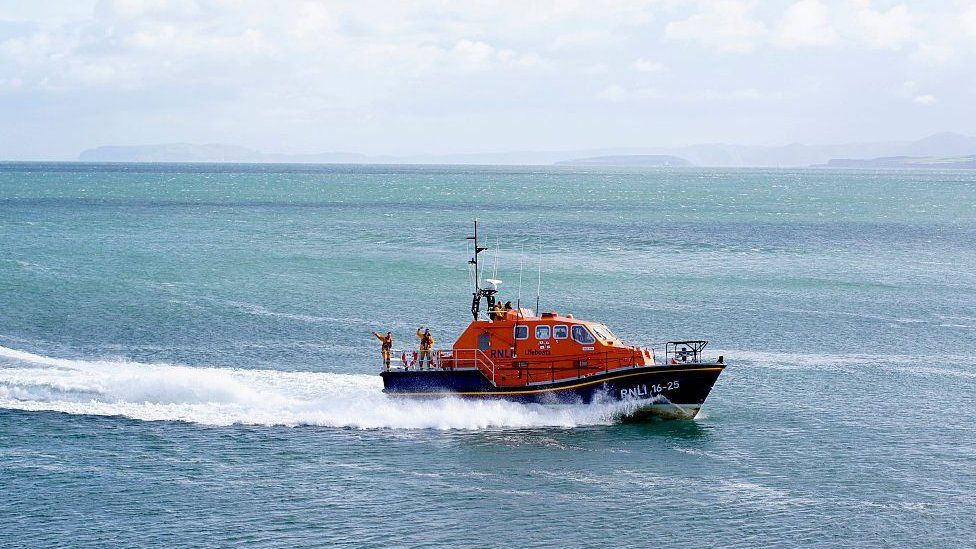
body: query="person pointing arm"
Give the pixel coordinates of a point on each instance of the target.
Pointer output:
(386, 347)
(426, 344)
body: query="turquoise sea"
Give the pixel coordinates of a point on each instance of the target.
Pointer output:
(186, 358)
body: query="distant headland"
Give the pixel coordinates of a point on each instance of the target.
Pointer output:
(906, 162)
(629, 160)
(942, 150)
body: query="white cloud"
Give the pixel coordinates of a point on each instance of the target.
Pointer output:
(477, 55)
(889, 29)
(121, 10)
(938, 53)
(411, 73)
(130, 44)
(967, 21)
(806, 23)
(724, 96)
(473, 54)
(584, 38)
(910, 89)
(645, 66)
(613, 93)
(723, 24)
(313, 19)
(597, 68)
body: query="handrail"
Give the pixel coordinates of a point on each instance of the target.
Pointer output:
(689, 351)
(460, 359)
(490, 363)
(446, 358)
(521, 371)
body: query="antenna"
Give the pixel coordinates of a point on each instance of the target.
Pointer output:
(518, 303)
(521, 262)
(538, 288)
(494, 271)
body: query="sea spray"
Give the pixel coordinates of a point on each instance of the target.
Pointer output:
(225, 396)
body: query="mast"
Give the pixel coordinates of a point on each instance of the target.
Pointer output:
(478, 292)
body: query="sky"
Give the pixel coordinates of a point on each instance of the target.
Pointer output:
(439, 77)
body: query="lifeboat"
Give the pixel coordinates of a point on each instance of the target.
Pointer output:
(550, 358)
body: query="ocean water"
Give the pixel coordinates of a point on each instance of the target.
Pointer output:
(186, 358)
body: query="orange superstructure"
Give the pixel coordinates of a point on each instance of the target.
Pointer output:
(524, 348)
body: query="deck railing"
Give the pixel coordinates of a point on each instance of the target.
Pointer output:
(682, 352)
(521, 371)
(445, 359)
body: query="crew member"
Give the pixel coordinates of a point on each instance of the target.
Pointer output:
(426, 344)
(385, 347)
(499, 311)
(508, 305)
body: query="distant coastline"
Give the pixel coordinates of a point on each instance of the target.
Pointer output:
(905, 162)
(719, 155)
(633, 160)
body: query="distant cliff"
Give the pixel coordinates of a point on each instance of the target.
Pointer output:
(906, 162)
(710, 154)
(629, 160)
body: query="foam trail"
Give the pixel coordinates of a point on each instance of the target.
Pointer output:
(224, 396)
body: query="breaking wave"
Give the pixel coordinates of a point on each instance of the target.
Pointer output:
(226, 396)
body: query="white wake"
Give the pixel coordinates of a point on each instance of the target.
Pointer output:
(225, 396)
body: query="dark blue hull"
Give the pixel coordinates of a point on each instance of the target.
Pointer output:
(677, 390)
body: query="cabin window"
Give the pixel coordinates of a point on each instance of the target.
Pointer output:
(582, 335)
(522, 332)
(542, 331)
(603, 332)
(560, 331)
(484, 341)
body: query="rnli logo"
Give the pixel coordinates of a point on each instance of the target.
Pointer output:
(639, 391)
(499, 353)
(642, 391)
